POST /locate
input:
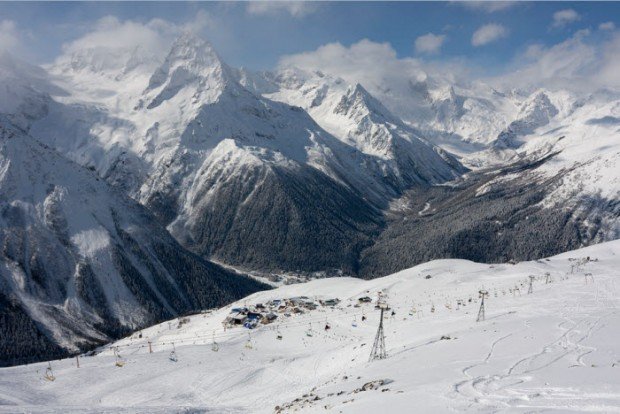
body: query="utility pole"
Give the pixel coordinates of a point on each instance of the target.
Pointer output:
(378, 348)
(531, 288)
(483, 293)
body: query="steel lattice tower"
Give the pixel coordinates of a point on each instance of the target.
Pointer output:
(531, 288)
(483, 294)
(378, 348)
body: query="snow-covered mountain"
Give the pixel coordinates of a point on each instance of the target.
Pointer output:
(301, 170)
(581, 135)
(351, 114)
(538, 156)
(555, 188)
(80, 263)
(537, 111)
(553, 350)
(461, 116)
(234, 174)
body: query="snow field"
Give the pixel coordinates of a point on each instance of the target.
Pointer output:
(552, 350)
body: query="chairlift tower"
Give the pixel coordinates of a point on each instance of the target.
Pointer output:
(482, 294)
(531, 288)
(378, 348)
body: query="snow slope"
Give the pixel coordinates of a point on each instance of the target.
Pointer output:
(554, 350)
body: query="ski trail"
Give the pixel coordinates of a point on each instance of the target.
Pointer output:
(500, 389)
(470, 381)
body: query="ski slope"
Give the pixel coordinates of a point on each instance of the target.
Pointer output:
(555, 349)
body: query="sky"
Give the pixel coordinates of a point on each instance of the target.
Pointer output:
(485, 38)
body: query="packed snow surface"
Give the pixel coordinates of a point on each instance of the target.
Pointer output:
(555, 349)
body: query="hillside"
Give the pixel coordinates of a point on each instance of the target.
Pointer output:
(82, 264)
(553, 349)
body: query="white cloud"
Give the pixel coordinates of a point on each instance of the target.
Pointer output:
(607, 26)
(563, 17)
(294, 8)
(366, 62)
(578, 63)
(487, 6)
(110, 32)
(488, 33)
(429, 43)
(153, 36)
(9, 38)
(201, 21)
(534, 51)
(609, 72)
(376, 66)
(111, 41)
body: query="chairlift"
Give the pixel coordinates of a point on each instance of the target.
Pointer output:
(248, 344)
(120, 362)
(309, 331)
(214, 346)
(279, 334)
(173, 354)
(49, 374)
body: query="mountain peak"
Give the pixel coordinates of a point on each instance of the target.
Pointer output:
(193, 50)
(191, 62)
(538, 107)
(358, 102)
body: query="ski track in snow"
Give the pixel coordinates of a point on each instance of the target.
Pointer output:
(499, 391)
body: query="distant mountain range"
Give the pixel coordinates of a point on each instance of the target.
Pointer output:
(292, 171)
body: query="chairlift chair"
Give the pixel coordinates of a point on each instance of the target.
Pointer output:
(120, 362)
(214, 345)
(49, 374)
(248, 344)
(173, 354)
